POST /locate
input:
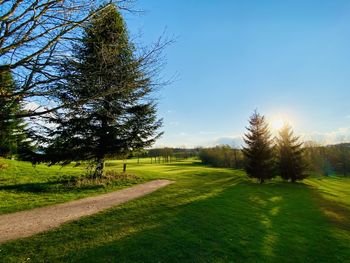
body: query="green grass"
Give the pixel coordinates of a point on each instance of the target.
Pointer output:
(24, 186)
(207, 215)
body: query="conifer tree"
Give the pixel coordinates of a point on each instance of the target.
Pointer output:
(258, 151)
(109, 125)
(291, 164)
(13, 131)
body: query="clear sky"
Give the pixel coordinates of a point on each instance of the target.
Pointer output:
(288, 59)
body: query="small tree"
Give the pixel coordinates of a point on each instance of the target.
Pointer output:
(291, 163)
(258, 151)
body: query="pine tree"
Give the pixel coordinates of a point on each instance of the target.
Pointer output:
(13, 131)
(114, 123)
(258, 151)
(291, 163)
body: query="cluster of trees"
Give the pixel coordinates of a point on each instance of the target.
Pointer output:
(222, 156)
(159, 155)
(94, 98)
(265, 157)
(327, 160)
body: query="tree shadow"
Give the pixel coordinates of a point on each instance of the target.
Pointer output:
(46, 187)
(226, 219)
(337, 213)
(246, 222)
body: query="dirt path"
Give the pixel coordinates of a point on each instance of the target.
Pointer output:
(27, 223)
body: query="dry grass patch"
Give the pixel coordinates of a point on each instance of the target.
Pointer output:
(110, 178)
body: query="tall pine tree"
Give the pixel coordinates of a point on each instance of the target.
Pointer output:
(291, 164)
(113, 123)
(258, 151)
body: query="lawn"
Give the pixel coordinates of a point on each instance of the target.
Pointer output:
(24, 186)
(207, 215)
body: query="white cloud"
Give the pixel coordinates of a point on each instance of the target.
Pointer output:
(235, 141)
(338, 136)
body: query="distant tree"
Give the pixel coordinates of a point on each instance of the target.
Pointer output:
(140, 153)
(291, 165)
(117, 123)
(222, 156)
(339, 157)
(317, 158)
(167, 153)
(153, 153)
(258, 151)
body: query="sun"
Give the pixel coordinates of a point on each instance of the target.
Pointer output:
(277, 124)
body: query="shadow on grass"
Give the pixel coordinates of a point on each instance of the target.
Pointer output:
(224, 219)
(337, 213)
(45, 187)
(246, 223)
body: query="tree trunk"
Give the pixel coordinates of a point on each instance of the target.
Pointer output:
(99, 168)
(235, 155)
(261, 180)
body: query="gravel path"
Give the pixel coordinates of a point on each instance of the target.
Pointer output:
(27, 223)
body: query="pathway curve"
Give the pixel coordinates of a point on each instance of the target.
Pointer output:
(27, 223)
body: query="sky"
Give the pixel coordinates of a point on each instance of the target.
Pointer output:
(290, 60)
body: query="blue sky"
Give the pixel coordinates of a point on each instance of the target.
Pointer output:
(288, 59)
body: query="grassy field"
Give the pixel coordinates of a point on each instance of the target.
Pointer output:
(207, 215)
(23, 186)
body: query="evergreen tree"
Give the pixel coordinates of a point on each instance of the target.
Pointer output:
(111, 124)
(291, 163)
(258, 151)
(13, 131)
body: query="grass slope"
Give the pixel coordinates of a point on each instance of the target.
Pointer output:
(24, 186)
(208, 215)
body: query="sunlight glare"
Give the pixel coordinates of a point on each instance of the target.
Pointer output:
(277, 124)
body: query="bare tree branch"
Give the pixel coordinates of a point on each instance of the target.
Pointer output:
(36, 36)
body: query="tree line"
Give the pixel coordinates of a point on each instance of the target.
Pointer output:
(164, 155)
(328, 160)
(222, 156)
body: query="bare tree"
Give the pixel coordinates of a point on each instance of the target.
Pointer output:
(34, 36)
